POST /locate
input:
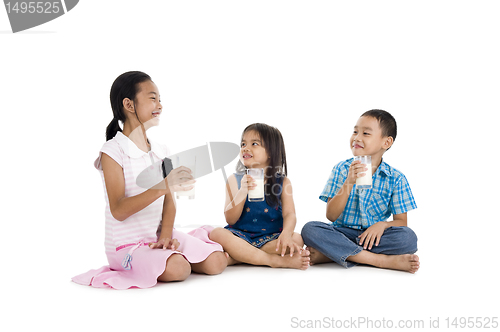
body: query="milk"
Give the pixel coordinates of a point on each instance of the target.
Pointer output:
(257, 194)
(188, 161)
(365, 182)
(188, 193)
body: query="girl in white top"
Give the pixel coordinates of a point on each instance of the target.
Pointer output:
(140, 242)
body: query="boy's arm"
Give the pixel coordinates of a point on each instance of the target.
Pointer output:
(403, 196)
(337, 203)
(398, 220)
(373, 233)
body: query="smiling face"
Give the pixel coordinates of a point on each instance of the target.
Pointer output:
(252, 152)
(148, 104)
(367, 138)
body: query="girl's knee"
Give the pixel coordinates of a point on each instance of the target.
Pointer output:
(216, 233)
(216, 263)
(177, 268)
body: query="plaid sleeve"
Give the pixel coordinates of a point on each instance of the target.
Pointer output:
(402, 198)
(335, 182)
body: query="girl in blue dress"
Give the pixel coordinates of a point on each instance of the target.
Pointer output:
(261, 233)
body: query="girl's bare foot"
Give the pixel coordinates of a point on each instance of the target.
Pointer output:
(317, 257)
(300, 261)
(230, 260)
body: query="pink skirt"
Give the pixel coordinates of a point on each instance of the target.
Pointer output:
(144, 265)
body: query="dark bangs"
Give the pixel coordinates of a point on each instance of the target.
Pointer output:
(274, 144)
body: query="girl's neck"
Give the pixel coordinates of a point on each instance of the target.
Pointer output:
(138, 136)
(264, 166)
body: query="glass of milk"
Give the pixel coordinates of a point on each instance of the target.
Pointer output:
(256, 194)
(365, 182)
(189, 162)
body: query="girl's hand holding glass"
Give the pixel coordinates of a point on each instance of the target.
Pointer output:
(247, 183)
(178, 176)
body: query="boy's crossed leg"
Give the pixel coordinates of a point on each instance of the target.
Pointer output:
(327, 243)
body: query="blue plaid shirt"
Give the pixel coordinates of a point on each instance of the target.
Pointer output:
(390, 194)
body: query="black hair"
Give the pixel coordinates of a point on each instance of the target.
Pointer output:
(273, 142)
(386, 121)
(125, 86)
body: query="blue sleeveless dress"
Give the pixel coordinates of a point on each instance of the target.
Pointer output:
(259, 223)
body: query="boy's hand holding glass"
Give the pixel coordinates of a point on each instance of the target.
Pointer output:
(365, 181)
(356, 170)
(372, 235)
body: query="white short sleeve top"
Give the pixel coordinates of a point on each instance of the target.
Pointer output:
(143, 224)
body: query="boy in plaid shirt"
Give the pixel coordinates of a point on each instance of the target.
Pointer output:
(359, 232)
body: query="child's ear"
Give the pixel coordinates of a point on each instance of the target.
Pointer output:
(388, 141)
(128, 105)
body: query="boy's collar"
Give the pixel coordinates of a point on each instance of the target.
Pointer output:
(383, 167)
(131, 150)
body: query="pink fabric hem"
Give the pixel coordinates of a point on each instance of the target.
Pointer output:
(148, 264)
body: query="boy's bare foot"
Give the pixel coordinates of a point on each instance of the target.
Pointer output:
(317, 257)
(409, 263)
(300, 261)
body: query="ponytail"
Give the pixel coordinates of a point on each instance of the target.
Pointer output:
(124, 86)
(112, 129)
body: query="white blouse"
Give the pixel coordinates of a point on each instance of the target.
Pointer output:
(143, 224)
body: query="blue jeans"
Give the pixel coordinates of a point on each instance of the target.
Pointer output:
(338, 243)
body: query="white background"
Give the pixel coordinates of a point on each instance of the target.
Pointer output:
(310, 68)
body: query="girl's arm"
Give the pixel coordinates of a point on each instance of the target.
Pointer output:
(235, 199)
(288, 207)
(123, 207)
(165, 240)
(168, 216)
(289, 219)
